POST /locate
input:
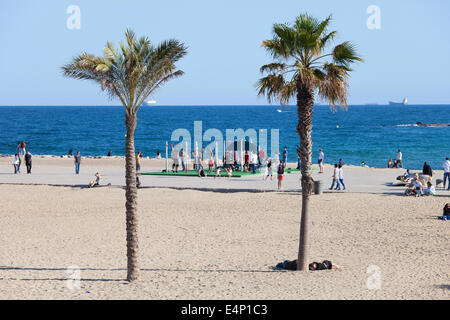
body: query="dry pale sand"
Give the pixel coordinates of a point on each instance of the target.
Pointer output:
(213, 245)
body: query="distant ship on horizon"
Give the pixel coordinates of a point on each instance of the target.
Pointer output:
(403, 103)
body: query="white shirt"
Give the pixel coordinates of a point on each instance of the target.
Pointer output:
(321, 155)
(254, 158)
(341, 173)
(446, 166)
(336, 173)
(399, 156)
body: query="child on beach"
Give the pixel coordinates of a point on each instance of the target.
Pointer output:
(280, 175)
(95, 182)
(217, 172)
(229, 171)
(430, 190)
(269, 170)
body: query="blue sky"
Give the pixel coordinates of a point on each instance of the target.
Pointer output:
(407, 57)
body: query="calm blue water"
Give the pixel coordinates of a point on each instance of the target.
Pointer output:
(372, 133)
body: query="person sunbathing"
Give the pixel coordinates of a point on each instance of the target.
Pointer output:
(95, 182)
(313, 266)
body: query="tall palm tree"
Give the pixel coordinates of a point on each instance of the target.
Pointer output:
(130, 73)
(302, 68)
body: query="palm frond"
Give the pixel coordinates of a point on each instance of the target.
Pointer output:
(345, 54)
(131, 73)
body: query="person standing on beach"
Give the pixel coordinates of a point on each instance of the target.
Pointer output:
(16, 163)
(269, 169)
(446, 168)
(285, 154)
(28, 161)
(335, 177)
(399, 159)
(341, 177)
(254, 161)
(77, 160)
(427, 169)
(183, 166)
(138, 161)
(22, 149)
(175, 159)
(321, 158)
(280, 174)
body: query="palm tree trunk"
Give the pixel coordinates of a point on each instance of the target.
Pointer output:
(131, 200)
(305, 103)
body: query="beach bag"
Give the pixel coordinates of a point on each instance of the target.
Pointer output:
(446, 210)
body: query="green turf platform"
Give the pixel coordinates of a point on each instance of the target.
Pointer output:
(235, 174)
(194, 173)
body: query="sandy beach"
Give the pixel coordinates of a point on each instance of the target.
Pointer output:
(205, 238)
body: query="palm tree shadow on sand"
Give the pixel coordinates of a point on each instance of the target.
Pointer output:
(272, 269)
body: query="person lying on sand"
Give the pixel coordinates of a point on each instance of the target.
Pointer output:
(95, 182)
(313, 266)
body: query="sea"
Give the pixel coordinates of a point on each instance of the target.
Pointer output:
(370, 133)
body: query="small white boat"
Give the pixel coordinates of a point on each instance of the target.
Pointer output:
(278, 110)
(403, 103)
(150, 102)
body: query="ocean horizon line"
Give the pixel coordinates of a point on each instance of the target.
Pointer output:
(220, 105)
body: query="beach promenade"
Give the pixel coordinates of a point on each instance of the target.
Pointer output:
(206, 238)
(60, 172)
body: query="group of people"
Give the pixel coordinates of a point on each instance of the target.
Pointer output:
(422, 184)
(338, 176)
(396, 163)
(22, 155)
(417, 186)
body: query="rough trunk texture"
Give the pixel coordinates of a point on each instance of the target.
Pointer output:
(305, 103)
(131, 200)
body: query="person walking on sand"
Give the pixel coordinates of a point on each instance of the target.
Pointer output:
(446, 168)
(28, 161)
(321, 158)
(335, 177)
(16, 163)
(399, 163)
(77, 160)
(341, 177)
